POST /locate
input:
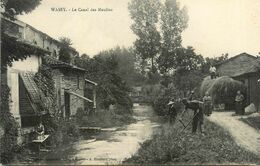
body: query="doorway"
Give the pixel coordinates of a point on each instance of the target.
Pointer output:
(67, 104)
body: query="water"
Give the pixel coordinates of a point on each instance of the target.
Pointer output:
(109, 147)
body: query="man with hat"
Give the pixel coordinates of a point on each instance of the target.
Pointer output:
(172, 112)
(191, 96)
(198, 117)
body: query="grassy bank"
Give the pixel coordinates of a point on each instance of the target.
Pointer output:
(172, 147)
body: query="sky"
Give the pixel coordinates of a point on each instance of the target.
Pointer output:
(215, 26)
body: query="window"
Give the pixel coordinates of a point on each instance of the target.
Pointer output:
(34, 41)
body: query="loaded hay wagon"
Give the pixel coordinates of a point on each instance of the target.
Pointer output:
(222, 90)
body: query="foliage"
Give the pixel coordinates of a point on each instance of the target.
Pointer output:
(66, 53)
(171, 147)
(111, 89)
(64, 132)
(187, 81)
(150, 92)
(223, 89)
(145, 15)
(162, 99)
(44, 81)
(173, 22)
(187, 74)
(21, 7)
(188, 60)
(65, 41)
(213, 61)
(8, 142)
(253, 121)
(14, 50)
(126, 61)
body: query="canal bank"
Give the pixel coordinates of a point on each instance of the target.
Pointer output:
(110, 146)
(173, 146)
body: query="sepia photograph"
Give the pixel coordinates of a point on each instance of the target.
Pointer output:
(130, 82)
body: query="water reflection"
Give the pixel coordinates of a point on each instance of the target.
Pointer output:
(108, 147)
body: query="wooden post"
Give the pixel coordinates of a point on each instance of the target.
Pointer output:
(94, 93)
(94, 98)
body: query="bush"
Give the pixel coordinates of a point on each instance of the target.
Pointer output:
(66, 132)
(160, 102)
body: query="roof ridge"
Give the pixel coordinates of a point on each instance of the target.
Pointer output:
(244, 53)
(57, 63)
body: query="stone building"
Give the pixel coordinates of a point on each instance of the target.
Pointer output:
(70, 86)
(27, 99)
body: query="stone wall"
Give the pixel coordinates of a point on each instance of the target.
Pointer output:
(41, 40)
(71, 81)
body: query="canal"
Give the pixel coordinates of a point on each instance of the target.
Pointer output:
(107, 147)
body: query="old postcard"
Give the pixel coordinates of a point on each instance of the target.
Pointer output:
(130, 82)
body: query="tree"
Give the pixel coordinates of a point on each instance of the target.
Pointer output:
(145, 14)
(187, 59)
(112, 88)
(21, 6)
(65, 41)
(188, 74)
(65, 53)
(213, 61)
(173, 21)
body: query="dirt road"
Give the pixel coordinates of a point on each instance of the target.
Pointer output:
(244, 135)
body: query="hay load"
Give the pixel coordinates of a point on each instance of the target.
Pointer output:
(223, 89)
(206, 85)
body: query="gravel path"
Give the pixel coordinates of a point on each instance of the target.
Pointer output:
(244, 135)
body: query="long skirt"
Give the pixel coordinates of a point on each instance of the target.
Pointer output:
(208, 109)
(240, 108)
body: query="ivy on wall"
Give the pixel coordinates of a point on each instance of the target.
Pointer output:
(9, 140)
(44, 81)
(14, 50)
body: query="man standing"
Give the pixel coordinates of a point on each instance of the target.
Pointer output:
(172, 112)
(198, 117)
(212, 71)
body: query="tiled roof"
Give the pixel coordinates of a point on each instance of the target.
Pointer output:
(242, 54)
(36, 96)
(255, 67)
(55, 63)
